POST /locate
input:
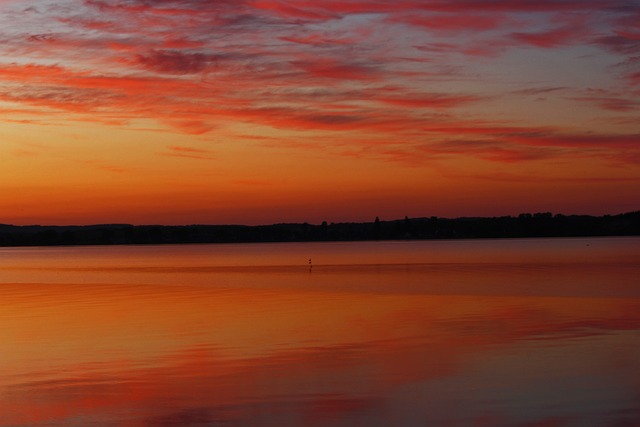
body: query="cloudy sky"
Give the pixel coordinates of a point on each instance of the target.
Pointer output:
(262, 111)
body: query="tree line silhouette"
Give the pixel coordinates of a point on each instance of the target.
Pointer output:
(542, 224)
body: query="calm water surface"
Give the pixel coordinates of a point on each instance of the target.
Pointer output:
(538, 332)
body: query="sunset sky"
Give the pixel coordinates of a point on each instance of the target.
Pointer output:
(263, 111)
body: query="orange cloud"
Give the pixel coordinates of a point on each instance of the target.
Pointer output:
(189, 152)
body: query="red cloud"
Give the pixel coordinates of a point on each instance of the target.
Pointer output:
(189, 108)
(340, 70)
(161, 7)
(92, 95)
(296, 9)
(634, 78)
(454, 21)
(522, 6)
(570, 29)
(318, 40)
(548, 39)
(437, 101)
(174, 62)
(332, 8)
(192, 64)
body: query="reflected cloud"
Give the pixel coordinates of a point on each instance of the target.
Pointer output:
(392, 344)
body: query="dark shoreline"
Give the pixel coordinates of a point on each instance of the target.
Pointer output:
(432, 228)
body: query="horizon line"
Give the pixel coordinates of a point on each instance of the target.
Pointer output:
(546, 213)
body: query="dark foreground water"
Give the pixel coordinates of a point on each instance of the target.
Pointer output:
(540, 332)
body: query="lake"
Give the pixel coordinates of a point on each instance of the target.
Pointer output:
(522, 332)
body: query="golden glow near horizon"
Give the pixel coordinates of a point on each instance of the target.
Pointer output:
(187, 111)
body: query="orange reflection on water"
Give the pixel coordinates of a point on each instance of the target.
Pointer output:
(476, 343)
(139, 355)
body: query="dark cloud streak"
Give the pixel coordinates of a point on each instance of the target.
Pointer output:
(175, 62)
